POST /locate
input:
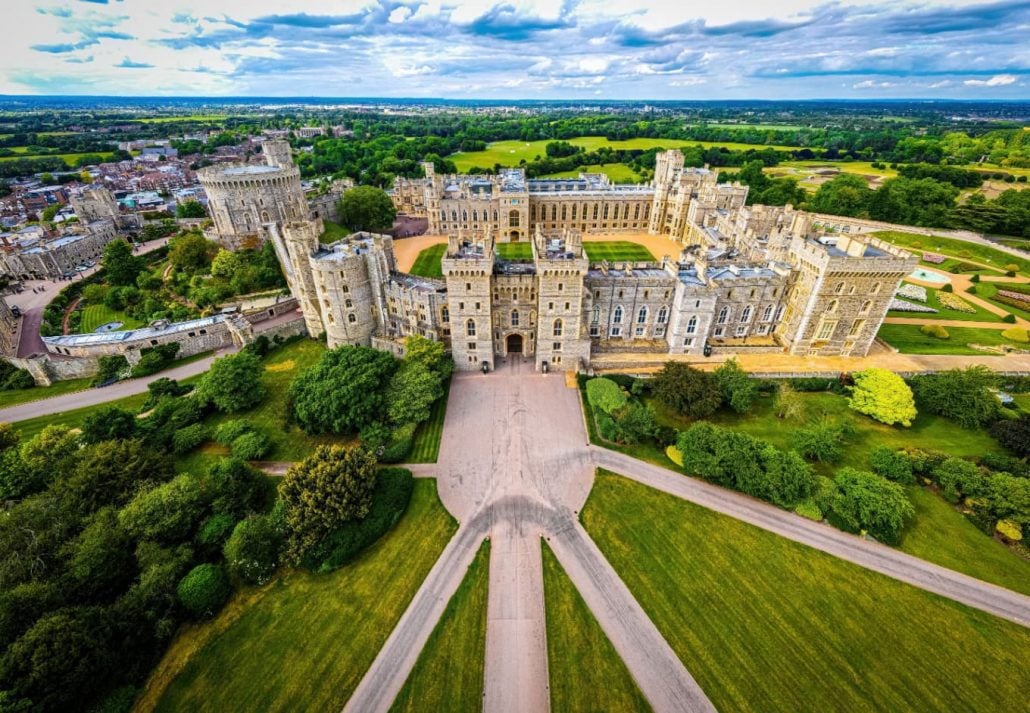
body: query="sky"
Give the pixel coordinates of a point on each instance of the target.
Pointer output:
(519, 49)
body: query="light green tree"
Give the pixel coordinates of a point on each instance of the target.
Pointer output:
(883, 396)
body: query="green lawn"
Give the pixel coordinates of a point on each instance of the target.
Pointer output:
(956, 248)
(94, 316)
(514, 251)
(940, 534)
(980, 315)
(426, 447)
(957, 267)
(69, 159)
(58, 388)
(304, 640)
(617, 251)
(74, 418)
(333, 232)
(583, 665)
(616, 172)
(861, 168)
(909, 340)
(989, 290)
(765, 624)
(427, 264)
(448, 675)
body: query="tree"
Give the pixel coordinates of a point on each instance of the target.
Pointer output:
(884, 396)
(958, 477)
(1014, 435)
(191, 252)
(38, 462)
(892, 465)
(605, 395)
(913, 201)
(344, 392)
(867, 501)
(963, 395)
(204, 590)
(686, 390)
(167, 512)
(428, 353)
(331, 486)
(108, 423)
(847, 194)
(100, 560)
(234, 382)
(788, 478)
(190, 209)
(227, 263)
(108, 473)
(738, 389)
(789, 404)
(120, 266)
(411, 393)
(253, 550)
(367, 208)
(823, 440)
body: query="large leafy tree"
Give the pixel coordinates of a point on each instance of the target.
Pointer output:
(867, 501)
(738, 389)
(108, 423)
(191, 252)
(234, 382)
(963, 395)
(367, 208)
(411, 393)
(913, 201)
(884, 396)
(686, 390)
(345, 391)
(847, 194)
(328, 488)
(120, 266)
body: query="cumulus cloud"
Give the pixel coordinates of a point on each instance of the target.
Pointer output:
(998, 80)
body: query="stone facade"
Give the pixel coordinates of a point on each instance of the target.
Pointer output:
(8, 329)
(44, 258)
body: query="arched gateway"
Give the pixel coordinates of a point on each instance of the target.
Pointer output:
(514, 344)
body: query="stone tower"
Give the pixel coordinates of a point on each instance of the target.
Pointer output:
(95, 204)
(667, 167)
(468, 268)
(294, 245)
(277, 152)
(562, 341)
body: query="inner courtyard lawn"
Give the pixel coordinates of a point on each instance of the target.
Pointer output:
(586, 672)
(617, 251)
(764, 623)
(427, 264)
(94, 316)
(332, 233)
(303, 640)
(989, 291)
(932, 300)
(514, 251)
(908, 339)
(616, 172)
(448, 675)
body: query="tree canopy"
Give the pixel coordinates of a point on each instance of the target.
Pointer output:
(884, 396)
(345, 391)
(234, 382)
(686, 390)
(367, 208)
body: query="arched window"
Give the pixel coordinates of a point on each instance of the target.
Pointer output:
(617, 315)
(445, 314)
(876, 288)
(351, 318)
(475, 216)
(595, 315)
(574, 206)
(663, 314)
(454, 216)
(779, 312)
(495, 216)
(348, 303)
(605, 211)
(839, 289)
(464, 216)
(470, 328)
(833, 306)
(767, 313)
(563, 212)
(264, 216)
(745, 316)
(723, 314)
(557, 327)
(691, 325)
(866, 306)
(642, 315)
(513, 219)
(514, 318)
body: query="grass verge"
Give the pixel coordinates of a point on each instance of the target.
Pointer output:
(58, 388)
(426, 445)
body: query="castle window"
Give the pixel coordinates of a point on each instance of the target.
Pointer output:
(556, 346)
(839, 289)
(697, 304)
(876, 289)
(833, 306)
(616, 331)
(563, 210)
(513, 219)
(745, 316)
(620, 294)
(348, 303)
(856, 327)
(594, 331)
(475, 216)
(568, 305)
(454, 216)
(472, 346)
(560, 287)
(617, 315)
(639, 331)
(557, 328)
(554, 212)
(605, 214)
(779, 312)
(636, 212)
(724, 313)
(468, 287)
(688, 342)
(514, 295)
(647, 294)
(597, 294)
(345, 289)
(351, 318)
(642, 315)
(866, 306)
(514, 318)
(826, 330)
(663, 315)
(574, 206)
(767, 313)
(495, 216)
(692, 325)
(470, 328)
(532, 213)
(595, 211)
(595, 315)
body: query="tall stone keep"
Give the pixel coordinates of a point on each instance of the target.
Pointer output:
(468, 268)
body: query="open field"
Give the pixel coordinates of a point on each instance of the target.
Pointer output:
(94, 316)
(764, 623)
(940, 534)
(956, 248)
(510, 153)
(980, 315)
(909, 340)
(70, 159)
(58, 388)
(303, 637)
(448, 675)
(586, 672)
(762, 127)
(427, 264)
(190, 117)
(426, 447)
(616, 172)
(617, 251)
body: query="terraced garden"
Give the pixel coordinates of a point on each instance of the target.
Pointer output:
(908, 339)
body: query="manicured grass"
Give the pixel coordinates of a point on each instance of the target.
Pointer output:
(94, 316)
(514, 251)
(980, 315)
(448, 675)
(909, 340)
(940, 534)
(956, 248)
(58, 388)
(426, 448)
(74, 418)
(616, 172)
(764, 623)
(861, 168)
(427, 264)
(304, 640)
(584, 668)
(957, 267)
(617, 251)
(333, 232)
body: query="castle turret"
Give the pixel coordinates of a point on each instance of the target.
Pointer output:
(468, 268)
(277, 152)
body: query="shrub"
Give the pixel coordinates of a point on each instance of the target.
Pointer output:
(1010, 531)
(892, 465)
(1012, 267)
(884, 396)
(808, 509)
(204, 590)
(934, 330)
(252, 551)
(867, 501)
(958, 478)
(606, 395)
(822, 441)
(18, 379)
(789, 404)
(948, 288)
(963, 395)
(110, 367)
(1014, 435)
(251, 446)
(213, 533)
(398, 448)
(1009, 319)
(154, 359)
(673, 453)
(738, 389)
(229, 431)
(188, 438)
(1017, 334)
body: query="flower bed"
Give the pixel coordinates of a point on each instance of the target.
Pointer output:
(951, 301)
(1020, 298)
(935, 258)
(897, 305)
(912, 292)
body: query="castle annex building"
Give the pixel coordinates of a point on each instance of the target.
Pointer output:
(744, 278)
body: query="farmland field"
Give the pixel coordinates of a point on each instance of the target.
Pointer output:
(616, 172)
(69, 158)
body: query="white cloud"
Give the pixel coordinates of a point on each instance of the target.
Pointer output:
(870, 84)
(400, 14)
(998, 80)
(688, 82)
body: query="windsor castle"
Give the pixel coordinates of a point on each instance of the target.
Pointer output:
(737, 278)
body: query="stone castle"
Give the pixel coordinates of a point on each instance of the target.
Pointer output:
(743, 278)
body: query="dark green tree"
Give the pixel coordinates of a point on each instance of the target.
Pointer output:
(234, 382)
(738, 389)
(253, 551)
(686, 390)
(120, 266)
(190, 209)
(345, 391)
(847, 194)
(963, 395)
(108, 423)
(367, 208)
(204, 590)
(868, 502)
